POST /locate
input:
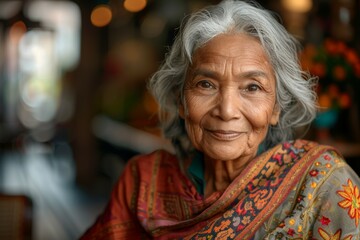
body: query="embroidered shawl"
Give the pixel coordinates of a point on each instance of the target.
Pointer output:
(296, 190)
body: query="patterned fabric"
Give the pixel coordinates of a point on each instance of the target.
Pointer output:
(297, 190)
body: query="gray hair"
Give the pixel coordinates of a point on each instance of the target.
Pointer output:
(295, 93)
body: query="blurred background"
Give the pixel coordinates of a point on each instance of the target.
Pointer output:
(74, 105)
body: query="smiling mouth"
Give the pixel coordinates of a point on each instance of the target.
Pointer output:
(225, 135)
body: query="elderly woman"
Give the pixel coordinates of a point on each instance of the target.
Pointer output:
(231, 94)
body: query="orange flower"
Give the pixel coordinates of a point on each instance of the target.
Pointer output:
(345, 100)
(333, 91)
(337, 66)
(339, 73)
(310, 50)
(318, 69)
(352, 57)
(324, 101)
(330, 46)
(341, 47)
(357, 70)
(351, 200)
(337, 236)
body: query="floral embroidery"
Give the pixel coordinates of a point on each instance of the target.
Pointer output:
(300, 198)
(223, 225)
(337, 236)
(259, 192)
(226, 234)
(327, 157)
(325, 221)
(228, 213)
(292, 221)
(323, 172)
(291, 232)
(278, 158)
(351, 201)
(310, 196)
(246, 220)
(314, 173)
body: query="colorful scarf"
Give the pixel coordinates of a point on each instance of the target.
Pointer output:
(296, 190)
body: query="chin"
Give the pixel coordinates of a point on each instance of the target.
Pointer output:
(228, 151)
(225, 155)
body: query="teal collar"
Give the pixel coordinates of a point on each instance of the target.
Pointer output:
(196, 169)
(196, 172)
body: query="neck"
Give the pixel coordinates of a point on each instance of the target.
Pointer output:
(219, 174)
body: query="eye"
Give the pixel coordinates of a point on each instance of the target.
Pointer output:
(205, 84)
(252, 88)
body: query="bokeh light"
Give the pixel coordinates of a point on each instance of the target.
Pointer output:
(64, 18)
(300, 6)
(18, 28)
(152, 26)
(101, 15)
(134, 5)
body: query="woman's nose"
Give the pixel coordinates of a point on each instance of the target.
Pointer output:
(228, 105)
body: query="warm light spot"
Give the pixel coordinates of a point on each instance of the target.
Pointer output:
(334, 91)
(339, 73)
(345, 100)
(324, 101)
(18, 28)
(313, 184)
(101, 15)
(150, 104)
(152, 26)
(134, 5)
(301, 6)
(318, 69)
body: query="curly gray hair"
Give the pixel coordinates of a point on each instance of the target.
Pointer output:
(295, 93)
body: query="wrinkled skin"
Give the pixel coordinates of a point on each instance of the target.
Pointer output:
(229, 103)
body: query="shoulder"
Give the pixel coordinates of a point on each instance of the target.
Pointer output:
(326, 197)
(324, 158)
(328, 169)
(331, 166)
(319, 162)
(312, 150)
(301, 145)
(154, 158)
(143, 168)
(146, 165)
(331, 187)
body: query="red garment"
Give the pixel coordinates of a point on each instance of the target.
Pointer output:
(154, 199)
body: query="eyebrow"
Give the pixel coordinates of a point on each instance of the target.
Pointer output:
(254, 73)
(212, 74)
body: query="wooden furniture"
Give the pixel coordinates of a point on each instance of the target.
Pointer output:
(15, 217)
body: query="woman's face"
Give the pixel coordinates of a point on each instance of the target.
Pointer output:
(229, 97)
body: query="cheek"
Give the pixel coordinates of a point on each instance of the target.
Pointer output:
(193, 128)
(260, 115)
(195, 108)
(194, 113)
(192, 118)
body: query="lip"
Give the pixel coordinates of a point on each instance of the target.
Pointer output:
(225, 135)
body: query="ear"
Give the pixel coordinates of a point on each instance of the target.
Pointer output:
(275, 115)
